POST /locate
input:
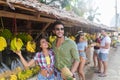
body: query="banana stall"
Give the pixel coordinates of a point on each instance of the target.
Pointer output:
(22, 22)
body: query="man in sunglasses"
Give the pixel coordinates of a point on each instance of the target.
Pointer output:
(66, 53)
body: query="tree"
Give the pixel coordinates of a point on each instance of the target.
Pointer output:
(92, 14)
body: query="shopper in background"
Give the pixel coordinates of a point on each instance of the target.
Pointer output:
(104, 51)
(96, 52)
(44, 58)
(82, 46)
(66, 52)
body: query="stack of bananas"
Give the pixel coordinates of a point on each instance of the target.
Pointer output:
(16, 44)
(3, 43)
(31, 46)
(24, 75)
(13, 77)
(52, 38)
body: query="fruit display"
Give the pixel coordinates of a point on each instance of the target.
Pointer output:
(3, 43)
(31, 46)
(16, 44)
(24, 37)
(21, 75)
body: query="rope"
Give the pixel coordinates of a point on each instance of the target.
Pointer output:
(2, 23)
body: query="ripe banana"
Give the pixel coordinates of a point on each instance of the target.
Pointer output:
(66, 73)
(3, 43)
(52, 38)
(2, 79)
(16, 44)
(72, 37)
(31, 46)
(13, 77)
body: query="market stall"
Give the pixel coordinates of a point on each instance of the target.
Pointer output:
(24, 21)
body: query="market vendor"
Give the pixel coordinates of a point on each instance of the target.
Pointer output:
(44, 58)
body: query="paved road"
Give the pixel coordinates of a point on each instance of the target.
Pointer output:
(113, 67)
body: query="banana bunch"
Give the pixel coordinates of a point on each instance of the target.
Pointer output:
(13, 77)
(16, 44)
(3, 43)
(35, 70)
(49, 44)
(31, 46)
(52, 38)
(72, 38)
(24, 75)
(6, 33)
(2, 79)
(66, 74)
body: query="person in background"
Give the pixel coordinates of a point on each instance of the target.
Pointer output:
(96, 52)
(82, 46)
(44, 58)
(66, 52)
(104, 51)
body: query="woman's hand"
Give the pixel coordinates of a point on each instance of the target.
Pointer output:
(18, 52)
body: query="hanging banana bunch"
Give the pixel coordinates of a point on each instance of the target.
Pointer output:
(16, 44)
(52, 38)
(3, 43)
(72, 38)
(31, 46)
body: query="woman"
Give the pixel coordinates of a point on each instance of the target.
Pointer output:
(96, 51)
(44, 58)
(82, 46)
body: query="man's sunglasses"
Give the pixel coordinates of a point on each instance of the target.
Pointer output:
(58, 29)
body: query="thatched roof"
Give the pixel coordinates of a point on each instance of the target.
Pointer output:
(54, 13)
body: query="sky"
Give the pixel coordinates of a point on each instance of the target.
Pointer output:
(107, 10)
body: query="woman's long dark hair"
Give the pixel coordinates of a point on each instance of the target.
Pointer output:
(78, 37)
(39, 49)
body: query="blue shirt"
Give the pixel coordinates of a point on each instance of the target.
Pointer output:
(82, 45)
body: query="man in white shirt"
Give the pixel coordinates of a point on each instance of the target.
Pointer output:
(104, 51)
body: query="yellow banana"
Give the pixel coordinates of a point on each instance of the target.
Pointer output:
(3, 43)
(12, 46)
(2, 79)
(52, 38)
(13, 77)
(31, 46)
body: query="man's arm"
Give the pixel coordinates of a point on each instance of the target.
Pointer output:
(75, 55)
(75, 66)
(107, 45)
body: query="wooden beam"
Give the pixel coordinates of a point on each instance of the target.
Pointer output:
(45, 27)
(24, 16)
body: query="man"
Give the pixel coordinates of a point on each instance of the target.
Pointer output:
(104, 51)
(66, 53)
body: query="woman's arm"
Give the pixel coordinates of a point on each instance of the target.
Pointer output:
(25, 63)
